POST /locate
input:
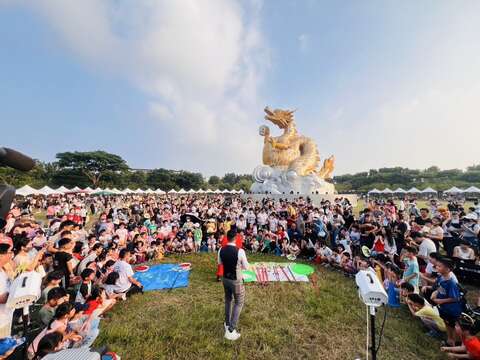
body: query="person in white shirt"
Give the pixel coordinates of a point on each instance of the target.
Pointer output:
(126, 282)
(425, 248)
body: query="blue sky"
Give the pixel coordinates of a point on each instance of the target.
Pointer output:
(182, 84)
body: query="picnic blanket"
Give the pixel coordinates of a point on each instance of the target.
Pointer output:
(163, 276)
(272, 271)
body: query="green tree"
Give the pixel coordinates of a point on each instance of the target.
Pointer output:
(230, 179)
(92, 164)
(161, 179)
(214, 181)
(188, 180)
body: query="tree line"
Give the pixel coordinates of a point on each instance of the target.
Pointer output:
(102, 169)
(405, 178)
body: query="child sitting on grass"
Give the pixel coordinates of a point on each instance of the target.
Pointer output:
(323, 253)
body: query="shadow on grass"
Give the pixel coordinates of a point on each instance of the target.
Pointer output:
(324, 320)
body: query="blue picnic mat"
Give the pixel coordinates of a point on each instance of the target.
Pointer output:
(162, 276)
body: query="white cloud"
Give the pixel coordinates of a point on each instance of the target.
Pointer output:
(199, 63)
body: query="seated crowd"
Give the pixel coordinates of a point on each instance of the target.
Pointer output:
(86, 249)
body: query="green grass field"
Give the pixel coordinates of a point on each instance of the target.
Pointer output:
(323, 319)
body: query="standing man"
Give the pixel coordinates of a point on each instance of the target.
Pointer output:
(233, 260)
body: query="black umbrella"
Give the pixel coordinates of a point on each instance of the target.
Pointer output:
(193, 218)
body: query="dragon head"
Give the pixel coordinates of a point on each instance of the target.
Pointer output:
(281, 118)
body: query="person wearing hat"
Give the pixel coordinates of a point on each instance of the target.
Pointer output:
(471, 228)
(233, 260)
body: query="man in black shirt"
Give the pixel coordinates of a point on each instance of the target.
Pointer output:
(62, 260)
(233, 260)
(424, 216)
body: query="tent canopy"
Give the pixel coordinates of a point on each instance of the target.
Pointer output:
(414, 190)
(429, 190)
(172, 191)
(374, 191)
(47, 191)
(26, 191)
(399, 191)
(387, 191)
(453, 190)
(62, 189)
(182, 191)
(472, 189)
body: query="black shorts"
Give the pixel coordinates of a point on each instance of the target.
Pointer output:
(449, 319)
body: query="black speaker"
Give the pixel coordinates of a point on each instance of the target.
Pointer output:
(7, 193)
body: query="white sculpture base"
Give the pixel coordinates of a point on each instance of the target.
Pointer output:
(268, 180)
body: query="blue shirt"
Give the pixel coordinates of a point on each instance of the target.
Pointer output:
(412, 268)
(449, 289)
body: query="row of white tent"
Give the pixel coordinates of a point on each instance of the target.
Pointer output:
(428, 191)
(46, 191)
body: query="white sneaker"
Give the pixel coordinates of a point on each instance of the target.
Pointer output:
(225, 326)
(233, 335)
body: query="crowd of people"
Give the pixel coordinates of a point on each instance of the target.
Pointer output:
(87, 245)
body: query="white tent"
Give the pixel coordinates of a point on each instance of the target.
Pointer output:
(453, 190)
(226, 191)
(26, 190)
(76, 189)
(413, 190)
(399, 191)
(88, 189)
(241, 191)
(127, 191)
(233, 191)
(62, 189)
(116, 191)
(472, 190)
(191, 191)
(159, 192)
(139, 191)
(201, 191)
(217, 191)
(209, 191)
(172, 191)
(429, 190)
(149, 191)
(98, 189)
(47, 191)
(182, 191)
(374, 191)
(387, 191)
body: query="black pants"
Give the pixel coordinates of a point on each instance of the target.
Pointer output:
(134, 289)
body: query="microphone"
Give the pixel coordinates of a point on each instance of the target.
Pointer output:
(15, 159)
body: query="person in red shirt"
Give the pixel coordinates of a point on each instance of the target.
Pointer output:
(466, 327)
(379, 244)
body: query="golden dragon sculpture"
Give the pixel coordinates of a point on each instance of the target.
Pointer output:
(292, 151)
